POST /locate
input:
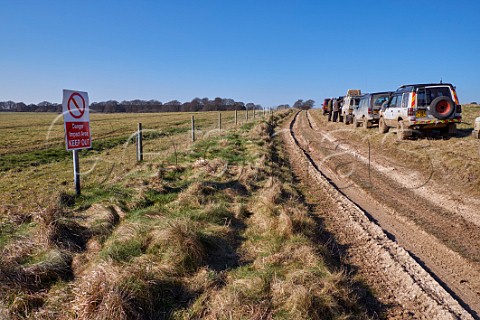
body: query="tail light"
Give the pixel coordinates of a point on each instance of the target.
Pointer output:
(370, 111)
(455, 97)
(459, 108)
(411, 112)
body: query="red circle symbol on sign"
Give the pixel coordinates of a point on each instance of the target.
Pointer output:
(76, 107)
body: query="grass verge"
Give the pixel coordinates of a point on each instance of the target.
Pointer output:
(224, 233)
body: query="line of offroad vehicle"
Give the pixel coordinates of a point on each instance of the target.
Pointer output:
(412, 109)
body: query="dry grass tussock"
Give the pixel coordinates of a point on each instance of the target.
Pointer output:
(233, 302)
(252, 173)
(269, 215)
(100, 219)
(98, 296)
(271, 192)
(304, 294)
(136, 291)
(111, 292)
(301, 221)
(125, 232)
(262, 131)
(179, 245)
(62, 231)
(214, 167)
(196, 195)
(54, 265)
(19, 249)
(35, 262)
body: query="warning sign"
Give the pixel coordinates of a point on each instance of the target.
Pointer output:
(78, 135)
(76, 117)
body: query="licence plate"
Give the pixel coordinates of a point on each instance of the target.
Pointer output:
(421, 114)
(375, 111)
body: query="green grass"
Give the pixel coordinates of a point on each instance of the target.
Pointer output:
(10, 230)
(123, 250)
(56, 154)
(233, 151)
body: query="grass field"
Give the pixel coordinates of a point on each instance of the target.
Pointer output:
(212, 230)
(34, 163)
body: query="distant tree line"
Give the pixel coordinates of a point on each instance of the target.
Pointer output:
(136, 106)
(304, 105)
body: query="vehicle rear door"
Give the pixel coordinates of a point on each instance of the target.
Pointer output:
(421, 110)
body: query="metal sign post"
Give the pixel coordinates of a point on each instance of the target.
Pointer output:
(76, 172)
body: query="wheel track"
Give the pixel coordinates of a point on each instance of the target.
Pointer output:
(412, 287)
(442, 239)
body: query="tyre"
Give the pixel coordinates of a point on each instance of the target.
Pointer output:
(452, 129)
(382, 126)
(449, 131)
(356, 124)
(365, 123)
(402, 132)
(347, 119)
(442, 107)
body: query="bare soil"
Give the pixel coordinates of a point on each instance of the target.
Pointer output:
(416, 245)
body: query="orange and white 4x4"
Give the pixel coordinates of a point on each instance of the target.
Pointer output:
(422, 107)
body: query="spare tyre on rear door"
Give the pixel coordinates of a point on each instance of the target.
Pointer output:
(442, 107)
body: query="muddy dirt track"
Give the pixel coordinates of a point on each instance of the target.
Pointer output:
(418, 248)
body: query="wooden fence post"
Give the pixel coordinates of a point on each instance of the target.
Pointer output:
(139, 143)
(193, 128)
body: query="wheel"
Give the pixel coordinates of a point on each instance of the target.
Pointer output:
(382, 126)
(442, 107)
(449, 131)
(402, 132)
(452, 129)
(476, 134)
(356, 124)
(365, 123)
(347, 119)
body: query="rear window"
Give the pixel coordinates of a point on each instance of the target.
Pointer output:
(425, 96)
(378, 100)
(355, 101)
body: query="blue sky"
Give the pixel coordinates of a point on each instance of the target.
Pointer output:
(267, 52)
